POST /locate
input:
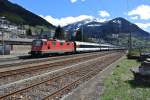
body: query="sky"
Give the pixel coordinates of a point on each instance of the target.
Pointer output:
(63, 12)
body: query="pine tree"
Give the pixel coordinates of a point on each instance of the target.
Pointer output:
(29, 32)
(78, 36)
(41, 30)
(59, 33)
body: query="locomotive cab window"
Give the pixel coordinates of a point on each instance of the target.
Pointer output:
(37, 43)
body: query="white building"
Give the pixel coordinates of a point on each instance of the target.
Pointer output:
(10, 30)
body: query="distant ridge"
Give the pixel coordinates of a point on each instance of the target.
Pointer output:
(113, 26)
(19, 15)
(114, 30)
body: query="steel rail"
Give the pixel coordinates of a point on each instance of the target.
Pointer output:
(38, 67)
(54, 78)
(58, 93)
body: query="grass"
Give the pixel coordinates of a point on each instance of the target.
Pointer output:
(121, 86)
(134, 53)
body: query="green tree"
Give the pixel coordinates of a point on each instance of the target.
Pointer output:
(59, 33)
(42, 30)
(29, 32)
(78, 36)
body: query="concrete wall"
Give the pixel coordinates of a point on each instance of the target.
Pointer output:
(21, 49)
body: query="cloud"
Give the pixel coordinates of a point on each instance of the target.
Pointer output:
(73, 1)
(69, 20)
(134, 17)
(103, 13)
(101, 19)
(143, 11)
(66, 20)
(143, 25)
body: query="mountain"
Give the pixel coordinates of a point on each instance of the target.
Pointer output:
(19, 15)
(112, 30)
(114, 26)
(77, 25)
(122, 25)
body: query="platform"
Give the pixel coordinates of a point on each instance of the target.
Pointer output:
(12, 56)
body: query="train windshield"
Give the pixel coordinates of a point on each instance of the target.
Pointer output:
(37, 42)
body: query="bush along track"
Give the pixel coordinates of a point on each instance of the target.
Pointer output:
(120, 85)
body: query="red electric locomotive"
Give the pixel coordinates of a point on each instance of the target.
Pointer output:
(52, 46)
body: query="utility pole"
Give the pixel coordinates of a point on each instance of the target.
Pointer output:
(3, 46)
(130, 40)
(129, 35)
(100, 41)
(3, 43)
(82, 32)
(119, 29)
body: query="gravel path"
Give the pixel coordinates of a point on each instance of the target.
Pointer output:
(92, 89)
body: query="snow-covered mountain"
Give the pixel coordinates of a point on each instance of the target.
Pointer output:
(114, 26)
(118, 28)
(77, 25)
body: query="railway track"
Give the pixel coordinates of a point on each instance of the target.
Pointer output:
(26, 72)
(28, 60)
(55, 85)
(21, 62)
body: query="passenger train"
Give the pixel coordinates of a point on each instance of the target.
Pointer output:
(55, 46)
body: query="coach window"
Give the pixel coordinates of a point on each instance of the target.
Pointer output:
(37, 43)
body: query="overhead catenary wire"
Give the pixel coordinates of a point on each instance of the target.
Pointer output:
(129, 32)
